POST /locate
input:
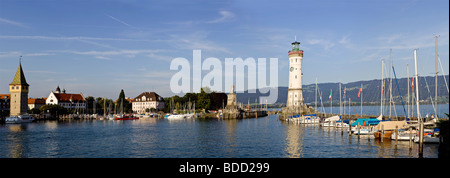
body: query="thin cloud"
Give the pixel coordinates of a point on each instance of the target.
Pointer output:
(17, 54)
(325, 43)
(38, 37)
(11, 22)
(122, 22)
(225, 15)
(108, 55)
(197, 40)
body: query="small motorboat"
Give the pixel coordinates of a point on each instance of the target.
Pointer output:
(125, 117)
(19, 119)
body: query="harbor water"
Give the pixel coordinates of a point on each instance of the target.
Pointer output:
(264, 137)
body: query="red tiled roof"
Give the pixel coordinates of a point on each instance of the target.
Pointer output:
(67, 97)
(36, 100)
(2, 96)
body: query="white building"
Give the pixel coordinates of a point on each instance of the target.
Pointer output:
(147, 100)
(66, 100)
(295, 91)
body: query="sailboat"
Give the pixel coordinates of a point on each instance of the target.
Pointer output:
(124, 116)
(172, 116)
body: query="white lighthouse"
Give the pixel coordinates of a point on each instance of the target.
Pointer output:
(295, 91)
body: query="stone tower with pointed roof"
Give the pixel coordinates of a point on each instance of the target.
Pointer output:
(18, 89)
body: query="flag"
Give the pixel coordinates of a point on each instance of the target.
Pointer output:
(329, 98)
(344, 92)
(412, 85)
(359, 93)
(383, 87)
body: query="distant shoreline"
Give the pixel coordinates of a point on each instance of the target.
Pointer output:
(277, 105)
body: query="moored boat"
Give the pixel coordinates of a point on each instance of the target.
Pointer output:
(430, 136)
(19, 119)
(328, 122)
(176, 116)
(388, 127)
(404, 135)
(125, 117)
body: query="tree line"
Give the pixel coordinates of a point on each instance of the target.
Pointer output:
(205, 100)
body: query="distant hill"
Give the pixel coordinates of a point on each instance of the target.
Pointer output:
(371, 91)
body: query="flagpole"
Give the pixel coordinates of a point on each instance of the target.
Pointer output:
(316, 97)
(407, 83)
(340, 101)
(382, 87)
(345, 88)
(331, 92)
(361, 98)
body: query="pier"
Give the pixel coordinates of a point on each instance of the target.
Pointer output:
(235, 113)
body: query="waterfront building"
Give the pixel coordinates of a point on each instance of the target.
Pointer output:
(36, 103)
(147, 100)
(295, 91)
(66, 100)
(231, 99)
(4, 102)
(294, 103)
(18, 90)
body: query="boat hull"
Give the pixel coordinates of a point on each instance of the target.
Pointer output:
(127, 118)
(387, 134)
(427, 139)
(176, 117)
(18, 119)
(403, 136)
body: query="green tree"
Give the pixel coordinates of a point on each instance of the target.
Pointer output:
(35, 111)
(90, 104)
(54, 110)
(203, 100)
(126, 105)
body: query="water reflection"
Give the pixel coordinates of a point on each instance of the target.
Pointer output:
(262, 137)
(294, 140)
(16, 139)
(231, 136)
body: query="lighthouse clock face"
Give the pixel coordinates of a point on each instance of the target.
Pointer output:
(291, 69)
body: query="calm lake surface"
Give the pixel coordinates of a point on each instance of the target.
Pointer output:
(264, 137)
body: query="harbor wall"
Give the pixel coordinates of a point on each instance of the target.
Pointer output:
(241, 114)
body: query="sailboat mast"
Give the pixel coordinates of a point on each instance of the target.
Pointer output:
(331, 101)
(436, 80)
(104, 106)
(382, 87)
(407, 83)
(361, 98)
(316, 96)
(390, 85)
(340, 101)
(417, 84)
(417, 104)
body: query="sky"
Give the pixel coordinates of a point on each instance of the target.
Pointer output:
(98, 47)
